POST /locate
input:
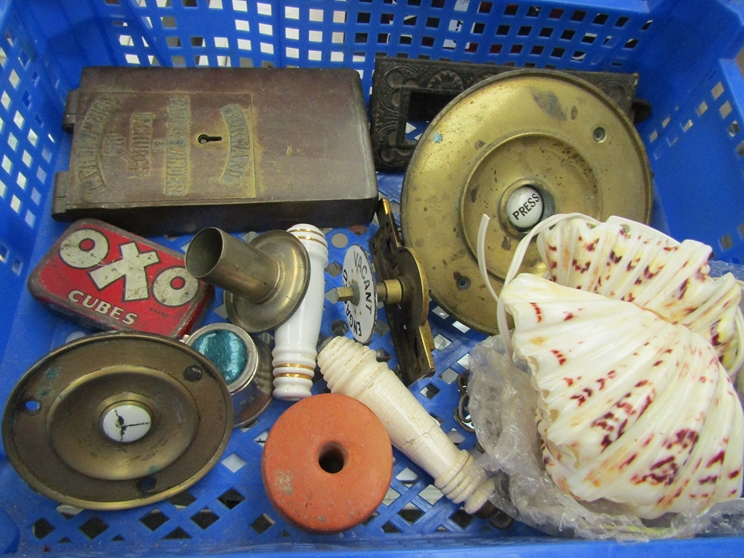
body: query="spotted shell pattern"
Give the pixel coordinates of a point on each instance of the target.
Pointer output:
(629, 261)
(631, 408)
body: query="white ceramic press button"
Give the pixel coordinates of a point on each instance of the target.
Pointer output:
(524, 207)
(126, 423)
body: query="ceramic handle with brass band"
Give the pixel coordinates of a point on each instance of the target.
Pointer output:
(296, 340)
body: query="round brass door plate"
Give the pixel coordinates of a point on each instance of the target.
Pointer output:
(525, 135)
(117, 420)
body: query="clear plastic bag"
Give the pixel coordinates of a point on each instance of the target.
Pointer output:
(719, 268)
(502, 407)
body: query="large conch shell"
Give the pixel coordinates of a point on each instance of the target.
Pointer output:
(634, 403)
(629, 261)
(631, 408)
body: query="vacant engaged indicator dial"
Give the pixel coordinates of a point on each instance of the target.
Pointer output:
(402, 290)
(361, 308)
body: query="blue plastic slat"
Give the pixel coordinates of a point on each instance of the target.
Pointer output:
(684, 51)
(68, 36)
(29, 137)
(704, 201)
(174, 33)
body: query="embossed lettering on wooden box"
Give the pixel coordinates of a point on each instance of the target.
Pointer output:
(170, 151)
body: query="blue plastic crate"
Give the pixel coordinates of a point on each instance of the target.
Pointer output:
(684, 50)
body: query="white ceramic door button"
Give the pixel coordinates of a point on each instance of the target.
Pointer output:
(126, 423)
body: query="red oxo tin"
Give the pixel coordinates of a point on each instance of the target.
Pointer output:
(108, 278)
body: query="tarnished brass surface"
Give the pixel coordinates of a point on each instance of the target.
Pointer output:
(408, 89)
(551, 131)
(291, 288)
(174, 150)
(407, 318)
(344, 294)
(390, 291)
(264, 281)
(53, 433)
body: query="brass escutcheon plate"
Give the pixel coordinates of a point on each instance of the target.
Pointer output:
(556, 133)
(55, 427)
(294, 277)
(409, 327)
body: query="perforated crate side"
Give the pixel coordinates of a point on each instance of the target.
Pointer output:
(316, 33)
(675, 45)
(694, 138)
(30, 139)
